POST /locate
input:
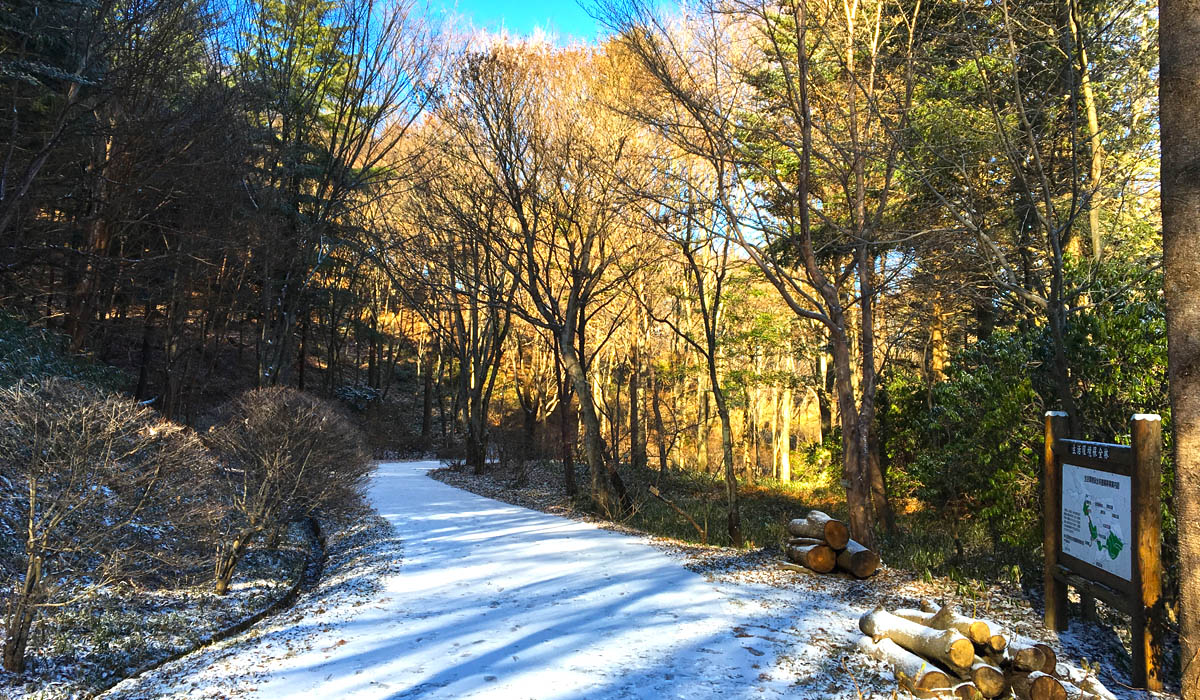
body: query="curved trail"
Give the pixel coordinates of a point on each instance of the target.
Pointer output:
(497, 601)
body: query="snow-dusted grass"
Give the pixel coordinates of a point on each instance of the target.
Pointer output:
(360, 556)
(117, 630)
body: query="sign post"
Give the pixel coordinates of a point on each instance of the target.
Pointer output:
(1102, 531)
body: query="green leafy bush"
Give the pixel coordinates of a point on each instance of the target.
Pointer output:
(969, 448)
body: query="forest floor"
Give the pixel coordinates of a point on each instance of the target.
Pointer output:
(113, 631)
(468, 597)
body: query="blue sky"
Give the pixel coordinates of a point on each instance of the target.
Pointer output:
(562, 17)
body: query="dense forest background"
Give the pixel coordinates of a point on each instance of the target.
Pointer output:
(829, 252)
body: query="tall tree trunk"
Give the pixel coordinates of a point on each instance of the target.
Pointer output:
(593, 440)
(427, 399)
(733, 513)
(1082, 75)
(659, 429)
(858, 490)
(1061, 368)
(302, 351)
(1179, 94)
(143, 385)
(637, 440)
(939, 350)
(701, 424)
(774, 424)
(785, 422)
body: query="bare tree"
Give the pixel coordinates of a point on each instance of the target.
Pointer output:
(452, 277)
(286, 455)
(83, 475)
(682, 210)
(817, 239)
(527, 121)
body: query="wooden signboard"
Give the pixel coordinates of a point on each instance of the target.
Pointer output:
(1102, 531)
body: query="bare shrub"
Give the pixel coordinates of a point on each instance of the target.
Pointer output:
(286, 455)
(89, 482)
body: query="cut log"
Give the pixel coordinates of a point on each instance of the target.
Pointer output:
(987, 678)
(965, 691)
(946, 646)
(978, 631)
(858, 560)
(921, 617)
(997, 642)
(1036, 686)
(801, 541)
(818, 557)
(820, 526)
(913, 672)
(1024, 658)
(1049, 660)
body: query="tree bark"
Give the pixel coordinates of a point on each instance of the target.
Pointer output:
(785, 422)
(1179, 96)
(227, 561)
(818, 557)
(978, 631)
(1036, 686)
(858, 490)
(593, 440)
(945, 646)
(821, 526)
(858, 560)
(637, 439)
(659, 430)
(23, 609)
(733, 513)
(567, 444)
(913, 672)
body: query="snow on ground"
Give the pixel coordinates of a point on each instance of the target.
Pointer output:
(499, 601)
(489, 600)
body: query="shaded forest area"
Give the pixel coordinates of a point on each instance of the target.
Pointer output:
(800, 250)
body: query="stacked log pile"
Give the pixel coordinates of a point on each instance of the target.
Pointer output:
(936, 652)
(823, 544)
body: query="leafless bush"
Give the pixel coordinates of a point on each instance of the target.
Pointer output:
(286, 455)
(89, 482)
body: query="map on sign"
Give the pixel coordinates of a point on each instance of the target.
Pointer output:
(1097, 518)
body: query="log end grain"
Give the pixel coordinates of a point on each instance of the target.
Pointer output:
(979, 632)
(988, 679)
(818, 557)
(962, 653)
(837, 534)
(858, 560)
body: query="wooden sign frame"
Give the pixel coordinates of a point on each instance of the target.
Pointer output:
(1141, 596)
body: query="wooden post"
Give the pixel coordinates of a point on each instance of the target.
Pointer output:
(1147, 630)
(1056, 591)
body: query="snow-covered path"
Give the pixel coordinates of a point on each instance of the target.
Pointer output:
(499, 601)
